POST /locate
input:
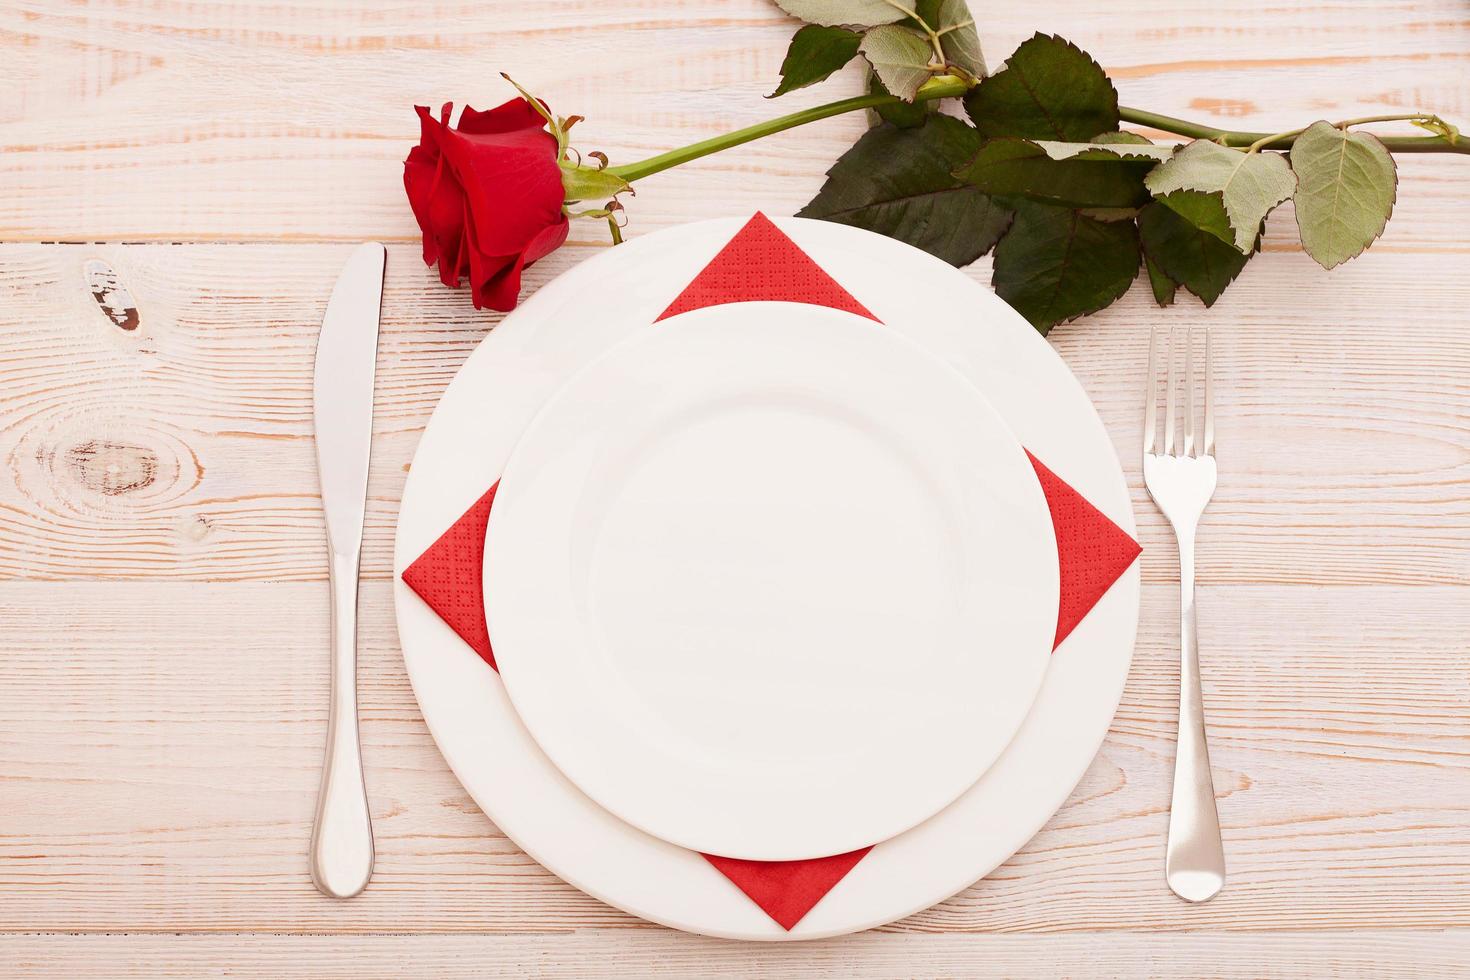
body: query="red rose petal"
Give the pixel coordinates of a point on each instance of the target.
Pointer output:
(487, 196)
(507, 117)
(512, 183)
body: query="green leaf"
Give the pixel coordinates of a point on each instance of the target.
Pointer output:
(1111, 214)
(815, 53)
(1249, 184)
(1099, 149)
(1163, 287)
(1189, 256)
(1205, 211)
(900, 56)
(1124, 136)
(1050, 90)
(1093, 178)
(1056, 264)
(1346, 187)
(958, 37)
(898, 183)
(902, 114)
(837, 13)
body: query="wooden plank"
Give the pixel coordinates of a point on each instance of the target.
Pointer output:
(1405, 955)
(121, 121)
(182, 448)
(160, 742)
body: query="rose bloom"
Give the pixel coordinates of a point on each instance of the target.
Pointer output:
(487, 195)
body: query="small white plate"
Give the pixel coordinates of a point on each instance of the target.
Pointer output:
(770, 581)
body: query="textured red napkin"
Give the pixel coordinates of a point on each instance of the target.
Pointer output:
(761, 263)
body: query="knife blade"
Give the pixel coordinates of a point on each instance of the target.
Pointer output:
(342, 402)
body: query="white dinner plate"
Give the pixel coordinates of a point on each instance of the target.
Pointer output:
(561, 328)
(747, 571)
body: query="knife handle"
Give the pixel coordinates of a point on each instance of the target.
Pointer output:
(342, 840)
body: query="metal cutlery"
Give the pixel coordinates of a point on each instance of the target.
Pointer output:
(1179, 471)
(346, 356)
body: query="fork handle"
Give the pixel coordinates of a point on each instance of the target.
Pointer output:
(1195, 860)
(342, 839)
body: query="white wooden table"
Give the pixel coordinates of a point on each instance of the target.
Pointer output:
(163, 599)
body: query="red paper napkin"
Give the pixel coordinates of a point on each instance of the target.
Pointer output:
(761, 263)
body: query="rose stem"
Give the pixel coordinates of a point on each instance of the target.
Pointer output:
(1182, 127)
(937, 88)
(948, 86)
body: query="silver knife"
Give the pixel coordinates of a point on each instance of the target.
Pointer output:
(346, 354)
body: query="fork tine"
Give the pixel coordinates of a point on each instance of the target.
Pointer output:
(1168, 447)
(1151, 400)
(1188, 420)
(1209, 446)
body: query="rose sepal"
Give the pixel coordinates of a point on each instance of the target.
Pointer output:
(587, 183)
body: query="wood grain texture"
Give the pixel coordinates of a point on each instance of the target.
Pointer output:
(182, 120)
(161, 755)
(182, 448)
(163, 621)
(1405, 955)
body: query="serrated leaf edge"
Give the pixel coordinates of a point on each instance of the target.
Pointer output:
(1039, 35)
(1153, 175)
(1393, 200)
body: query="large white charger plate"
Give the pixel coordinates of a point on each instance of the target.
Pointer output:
(559, 329)
(770, 581)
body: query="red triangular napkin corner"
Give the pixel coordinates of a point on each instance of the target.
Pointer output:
(761, 263)
(1092, 551)
(787, 890)
(448, 576)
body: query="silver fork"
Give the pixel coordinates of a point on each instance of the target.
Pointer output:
(1181, 481)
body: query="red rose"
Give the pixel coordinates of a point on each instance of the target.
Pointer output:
(487, 196)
